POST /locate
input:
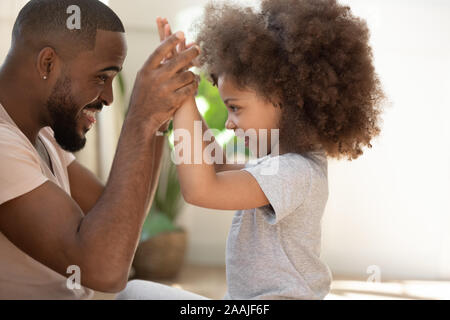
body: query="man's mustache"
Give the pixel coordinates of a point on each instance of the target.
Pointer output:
(96, 105)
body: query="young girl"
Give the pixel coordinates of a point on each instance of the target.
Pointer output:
(303, 67)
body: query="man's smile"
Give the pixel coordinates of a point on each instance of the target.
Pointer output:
(89, 115)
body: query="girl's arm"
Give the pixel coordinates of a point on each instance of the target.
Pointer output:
(200, 184)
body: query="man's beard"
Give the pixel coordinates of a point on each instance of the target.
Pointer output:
(64, 115)
(63, 112)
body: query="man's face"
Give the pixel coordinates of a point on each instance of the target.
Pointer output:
(84, 86)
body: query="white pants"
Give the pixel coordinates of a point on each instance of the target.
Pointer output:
(148, 290)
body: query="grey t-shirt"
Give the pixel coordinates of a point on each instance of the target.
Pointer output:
(273, 251)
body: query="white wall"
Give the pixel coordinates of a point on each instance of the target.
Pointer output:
(8, 12)
(391, 207)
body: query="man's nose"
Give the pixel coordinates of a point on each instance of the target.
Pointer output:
(107, 96)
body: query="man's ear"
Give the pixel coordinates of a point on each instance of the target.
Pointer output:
(47, 61)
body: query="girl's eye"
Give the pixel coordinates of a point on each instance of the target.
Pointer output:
(234, 108)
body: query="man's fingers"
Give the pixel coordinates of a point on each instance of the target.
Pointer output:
(182, 60)
(186, 91)
(159, 24)
(182, 46)
(167, 34)
(167, 31)
(191, 44)
(162, 23)
(182, 79)
(196, 61)
(163, 50)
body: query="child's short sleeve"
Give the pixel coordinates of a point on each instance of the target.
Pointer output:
(286, 182)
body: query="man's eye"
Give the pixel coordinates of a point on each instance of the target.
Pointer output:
(103, 78)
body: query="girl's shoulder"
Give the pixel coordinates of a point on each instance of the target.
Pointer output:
(291, 159)
(295, 166)
(287, 166)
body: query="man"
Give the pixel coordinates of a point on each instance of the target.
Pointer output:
(54, 213)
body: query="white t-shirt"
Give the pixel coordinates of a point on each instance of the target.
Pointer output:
(273, 252)
(22, 170)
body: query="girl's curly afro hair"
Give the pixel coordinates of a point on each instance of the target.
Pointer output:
(311, 58)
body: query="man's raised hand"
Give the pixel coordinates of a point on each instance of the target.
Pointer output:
(162, 86)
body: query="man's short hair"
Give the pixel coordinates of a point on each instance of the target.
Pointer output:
(46, 20)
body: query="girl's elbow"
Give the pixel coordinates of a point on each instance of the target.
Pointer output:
(192, 195)
(196, 191)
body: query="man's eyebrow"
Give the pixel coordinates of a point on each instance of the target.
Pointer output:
(112, 68)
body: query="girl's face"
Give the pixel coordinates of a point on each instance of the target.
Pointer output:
(247, 110)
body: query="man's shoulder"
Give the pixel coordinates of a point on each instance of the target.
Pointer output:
(10, 135)
(15, 147)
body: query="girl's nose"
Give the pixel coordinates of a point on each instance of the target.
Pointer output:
(230, 125)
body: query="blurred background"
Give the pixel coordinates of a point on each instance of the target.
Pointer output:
(387, 220)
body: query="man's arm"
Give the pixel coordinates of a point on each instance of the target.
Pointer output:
(86, 188)
(49, 225)
(156, 166)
